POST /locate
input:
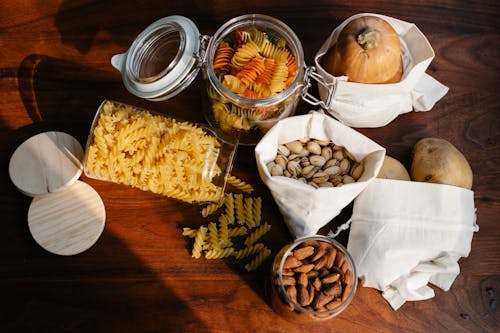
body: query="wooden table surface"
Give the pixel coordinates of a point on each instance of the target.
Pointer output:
(139, 276)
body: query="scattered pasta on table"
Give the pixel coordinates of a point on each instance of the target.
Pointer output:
(237, 232)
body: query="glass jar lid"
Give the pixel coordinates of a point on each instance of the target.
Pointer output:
(163, 60)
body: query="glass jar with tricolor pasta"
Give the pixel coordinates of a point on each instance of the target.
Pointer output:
(253, 67)
(255, 70)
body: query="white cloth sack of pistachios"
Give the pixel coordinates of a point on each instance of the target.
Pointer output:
(405, 235)
(375, 105)
(306, 209)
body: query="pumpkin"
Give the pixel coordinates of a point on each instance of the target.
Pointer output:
(367, 50)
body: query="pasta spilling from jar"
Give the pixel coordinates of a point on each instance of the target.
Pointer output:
(154, 153)
(252, 64)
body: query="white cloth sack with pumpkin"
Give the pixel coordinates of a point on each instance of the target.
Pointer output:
(405, 235)
(306, 209)
(375, 105)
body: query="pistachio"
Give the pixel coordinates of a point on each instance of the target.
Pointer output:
(333, 170)
(281, 160)
(283, 150)
(313, 147)
(294, 146)
(338, 154)
(270, 166)
(331, 163)
(336, 179)
(326, 184)
(294, 168)
(348, 179)
(320, 177)
(294, 157)
(276, 170)
(323, 142)
(349, 155)
(327, 153)
(287, 173)
(313, 184)
(304, 140)
(317, 160)
(302, 179)
(345, 165)
(309, 171)
(357, 170)
(304, 161)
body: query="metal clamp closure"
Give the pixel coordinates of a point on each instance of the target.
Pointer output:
(310, 73)
(201, 55)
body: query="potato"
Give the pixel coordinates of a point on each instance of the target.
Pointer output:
(438, 161)
(393, 169)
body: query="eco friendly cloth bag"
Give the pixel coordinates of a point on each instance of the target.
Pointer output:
(405, 235)
(376, 105)
(305, 208)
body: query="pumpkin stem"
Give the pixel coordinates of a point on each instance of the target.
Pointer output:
(369, 38)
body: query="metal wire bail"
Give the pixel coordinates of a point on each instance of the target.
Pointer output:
(310, 73)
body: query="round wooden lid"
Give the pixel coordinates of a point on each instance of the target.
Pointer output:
(46, 162)
(67, 222)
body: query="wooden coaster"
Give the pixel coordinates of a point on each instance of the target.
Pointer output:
(46, 162)
(67, 222)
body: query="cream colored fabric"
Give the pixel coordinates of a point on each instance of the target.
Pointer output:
(405, 235)
(305, 208)
(376, 105)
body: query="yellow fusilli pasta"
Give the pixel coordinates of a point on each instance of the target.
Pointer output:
(209, 209)
(248, 251)
(219, 253)
(162, 155)
(239, 184)
(258, 260)
(198, 242)
(257, 234)
(188, 232)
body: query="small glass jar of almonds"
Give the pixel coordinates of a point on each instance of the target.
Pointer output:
(313, 278)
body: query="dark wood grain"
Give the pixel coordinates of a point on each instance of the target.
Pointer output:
(139, 277)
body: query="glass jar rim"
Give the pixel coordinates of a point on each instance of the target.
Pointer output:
(352, 267)
(257, 20)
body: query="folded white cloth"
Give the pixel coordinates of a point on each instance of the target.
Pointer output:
(375, 105)
(405, 235)
(305, 208)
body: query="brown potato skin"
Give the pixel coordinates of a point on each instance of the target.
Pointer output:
(436, 160)
(393, 169)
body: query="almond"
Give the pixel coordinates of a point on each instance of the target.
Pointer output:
(292, 292)
(320, 252)
(291, 262)
(288, 281)
(303, 252)
(317, 284)
(303, 296)
(331, 278)
(303, 280)
(321, 300)
(332, 253)
(304, 268)
(320, 263)
(312, 274)
(334, 290)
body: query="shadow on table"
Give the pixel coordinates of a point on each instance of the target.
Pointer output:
(105, 287)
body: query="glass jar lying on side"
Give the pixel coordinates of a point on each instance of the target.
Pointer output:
(313, 278)
(152, 152)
